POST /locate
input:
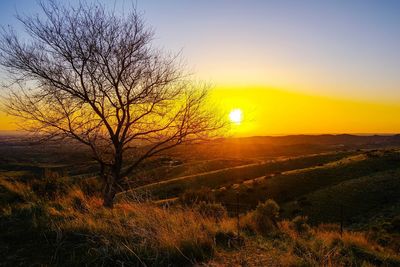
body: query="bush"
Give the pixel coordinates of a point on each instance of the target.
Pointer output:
(192, 197)
(268, 210)
(211, 210)
(265, 216)
(263, 219)
(299, 224)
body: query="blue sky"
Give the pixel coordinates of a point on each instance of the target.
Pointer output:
(339, 48)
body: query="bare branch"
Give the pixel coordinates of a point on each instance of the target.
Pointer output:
(89, 75)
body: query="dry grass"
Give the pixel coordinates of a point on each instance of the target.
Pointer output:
(75, 229)
(325, 246)
(138, 233)
(18, 190)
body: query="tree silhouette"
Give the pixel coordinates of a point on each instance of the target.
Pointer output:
(88, 74)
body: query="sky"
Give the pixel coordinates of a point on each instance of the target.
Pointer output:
(290, 66)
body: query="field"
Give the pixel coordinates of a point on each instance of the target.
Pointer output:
(201, 205)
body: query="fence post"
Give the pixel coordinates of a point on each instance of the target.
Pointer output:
(237, 215)
(341, 220)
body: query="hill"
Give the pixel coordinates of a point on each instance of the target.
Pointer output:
(207, 204)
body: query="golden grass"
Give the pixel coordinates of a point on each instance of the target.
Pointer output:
(134, 233)
(140, 230)
(325, 246)
(19, 189)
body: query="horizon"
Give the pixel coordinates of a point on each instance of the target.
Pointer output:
(289, 68)
(17, 132)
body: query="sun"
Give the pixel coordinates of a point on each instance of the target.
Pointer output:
(236, 116)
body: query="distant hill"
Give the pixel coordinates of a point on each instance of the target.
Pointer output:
(291, 145)
(326, 139)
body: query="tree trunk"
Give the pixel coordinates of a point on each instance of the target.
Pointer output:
(109, 194)
(111, 182)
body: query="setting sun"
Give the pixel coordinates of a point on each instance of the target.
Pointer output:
(236, 116)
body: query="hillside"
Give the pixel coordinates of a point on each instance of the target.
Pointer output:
(357, 197)
(183, 211)
(304, 185)
(228, 176)
(293, 185)
(74, 229)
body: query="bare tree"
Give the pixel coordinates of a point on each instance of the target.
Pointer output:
(91, 75)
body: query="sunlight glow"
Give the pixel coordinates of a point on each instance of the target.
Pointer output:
(236, 116)
(272, 111)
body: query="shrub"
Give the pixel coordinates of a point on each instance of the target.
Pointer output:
(265, 216)
(299, 224)
(211, 210)
(263, 219)
(191, 197)
(269, 210)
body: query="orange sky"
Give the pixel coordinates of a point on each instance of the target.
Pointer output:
(292, 67)
(269, 111)
(275, 112)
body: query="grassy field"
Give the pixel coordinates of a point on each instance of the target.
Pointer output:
(228, 176)
(73, 229)
(292, 185)
(357, 197)
(160, 172)
(58, 219)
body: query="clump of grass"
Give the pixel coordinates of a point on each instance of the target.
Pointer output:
(17, 191)
(78, 201)
(211, 210)
(300, 225)
(263, 219)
